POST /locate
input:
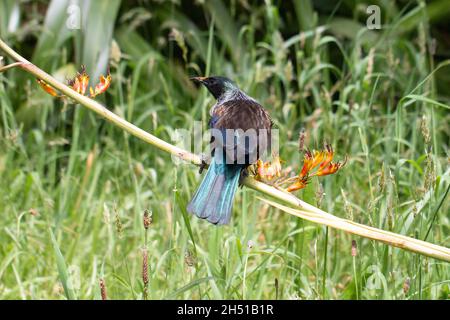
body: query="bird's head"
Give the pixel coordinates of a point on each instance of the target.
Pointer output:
(217, 85)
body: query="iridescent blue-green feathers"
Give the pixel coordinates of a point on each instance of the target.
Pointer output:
(214, 197)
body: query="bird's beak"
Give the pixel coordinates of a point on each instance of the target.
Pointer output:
(199, 79)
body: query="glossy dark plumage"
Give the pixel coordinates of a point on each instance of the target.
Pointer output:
(241, 114)
(233, 110)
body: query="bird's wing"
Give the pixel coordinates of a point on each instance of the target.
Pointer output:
(240, 114)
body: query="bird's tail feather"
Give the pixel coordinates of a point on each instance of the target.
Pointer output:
(213, 199)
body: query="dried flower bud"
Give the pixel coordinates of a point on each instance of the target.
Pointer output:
(33, 212)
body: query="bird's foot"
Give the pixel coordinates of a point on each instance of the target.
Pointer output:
(203, 165)
(244, 174)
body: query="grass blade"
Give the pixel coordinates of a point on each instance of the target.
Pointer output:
(62, 269)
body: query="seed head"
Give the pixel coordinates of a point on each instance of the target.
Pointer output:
(406, 285)
(145, 278)
(347, 206)
(119, 226)
(103, 289)
(301, 141)
(147, 219)
(430, 172)
(145, 266)
(189, 258)
(319, 195)
(425, 130)
(354, 248)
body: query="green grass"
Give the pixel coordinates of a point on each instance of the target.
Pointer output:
(373, 95)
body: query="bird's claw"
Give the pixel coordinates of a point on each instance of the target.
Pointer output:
(203, 165)
(244, 174)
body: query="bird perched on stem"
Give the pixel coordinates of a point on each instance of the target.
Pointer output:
(240, 133)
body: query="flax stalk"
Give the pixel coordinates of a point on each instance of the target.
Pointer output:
(303, 210)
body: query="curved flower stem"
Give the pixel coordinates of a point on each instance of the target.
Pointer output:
(10, 66)
(304, 210)
(390, 238)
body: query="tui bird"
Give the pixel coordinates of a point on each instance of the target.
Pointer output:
(240, 133)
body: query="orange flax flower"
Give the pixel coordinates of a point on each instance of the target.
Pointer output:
(102, 86)
(47, 88)
(268, 170)
(264, 170)
(330, 169)
(328, 155)
(300, 183)
(310, 161)
(260, 169)
(80, 82)
(323, 159)
(276, 164)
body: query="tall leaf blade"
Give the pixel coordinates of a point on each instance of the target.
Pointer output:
(98, 23)
(54, 34)
(62, 269)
